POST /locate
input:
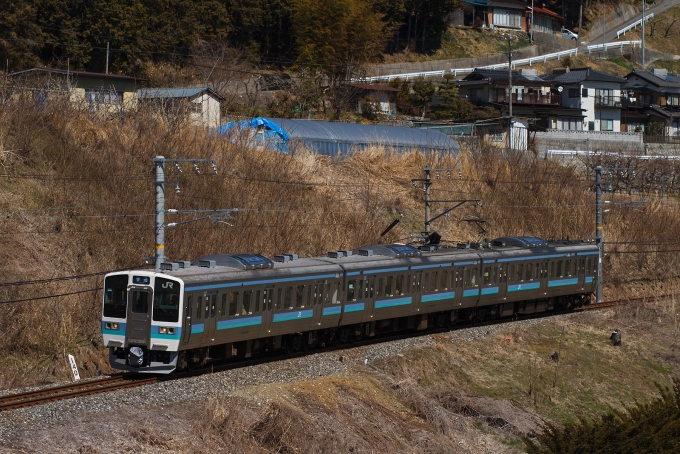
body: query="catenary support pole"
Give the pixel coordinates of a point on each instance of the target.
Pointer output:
(159, 161)
(644, 2)
(426, 188)
(598, 233)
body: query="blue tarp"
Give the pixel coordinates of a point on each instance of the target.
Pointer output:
(332, 139)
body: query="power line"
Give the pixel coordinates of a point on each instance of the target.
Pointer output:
(50, 296)
(65, 278)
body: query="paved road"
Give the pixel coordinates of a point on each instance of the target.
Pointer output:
(610, 35)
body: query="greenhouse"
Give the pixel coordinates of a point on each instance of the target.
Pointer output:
(334, 139)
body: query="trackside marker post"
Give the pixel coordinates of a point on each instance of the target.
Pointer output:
(74, 367)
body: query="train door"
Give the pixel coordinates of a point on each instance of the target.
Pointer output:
(210, 300)
(267, 309)
(581, 271)
(502, 281)
(413, 288)
(544, 275)
(369, 296)
(188, 300)
(138, 320)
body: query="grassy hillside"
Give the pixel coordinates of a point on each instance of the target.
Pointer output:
(77, 198)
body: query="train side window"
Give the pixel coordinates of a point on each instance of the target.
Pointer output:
(552, 269)
(399, 286)
(379, 289)
(409, 284)
(351, 290)
(433, 281)
(233, 303)
(473, 277)
(360, 288)
(189, 306)
(511, 271)
(487, 275)
(567, 268)
(288, 297)
(559, 272)
(519, 277)
(299, 293)
(466, 278)
(257, 301)
(529, 276)
(198, 308)
(245, 307)
(279, 299)
(269, 298)
(311, 290)
(494, 275)
(334, 288)
(223, 305)
(388, 286)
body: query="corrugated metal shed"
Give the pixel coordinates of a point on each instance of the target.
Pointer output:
(332, 139)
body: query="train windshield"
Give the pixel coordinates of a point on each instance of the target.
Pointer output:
(166, 300)
(115, 296)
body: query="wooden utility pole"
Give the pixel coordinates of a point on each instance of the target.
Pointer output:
(580, 20)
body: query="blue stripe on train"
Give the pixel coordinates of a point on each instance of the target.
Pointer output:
(525, 286)
(120, 331)
(438, 297)
(239, 322)
(354, 307)
(472, 292)
(332, 310)
(562, 282)
(380, 304)
(196, 329)
(489, 291)
(295, 315)
(157, 335)
(589, 279)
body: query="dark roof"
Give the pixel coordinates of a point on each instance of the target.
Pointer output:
(577, 75)
(181, 92)
(373, 87)
(486, 76)
(74, 74)
(545, 12)
(670, 81)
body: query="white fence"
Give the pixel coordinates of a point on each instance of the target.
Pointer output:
(550, 154)
(633, 25)
(521, 62)
(619, 45)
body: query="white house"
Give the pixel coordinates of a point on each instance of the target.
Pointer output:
(597, 93)
(201, 104)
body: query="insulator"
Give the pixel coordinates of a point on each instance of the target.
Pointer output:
(179, 169)
(198, 171)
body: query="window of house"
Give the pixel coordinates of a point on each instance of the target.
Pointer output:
(569, 124)
(506, 18)
(496, 135)
(197, 107)
(606, 125)
(110, 97)
(584, 92)
(574, 93)
(543, 24)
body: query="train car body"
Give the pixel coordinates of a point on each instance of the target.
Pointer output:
(224, 305)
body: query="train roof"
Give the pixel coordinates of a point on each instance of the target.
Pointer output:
(369, 258)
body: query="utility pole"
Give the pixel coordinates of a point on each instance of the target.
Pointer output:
(107, 57)
(580, 19)
(598, 231)
(427, 182)
(532, 21)
(644, 3)
(603, 32)
(510, 91)
(160, 183)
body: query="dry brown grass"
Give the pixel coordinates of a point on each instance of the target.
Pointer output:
(78, 198)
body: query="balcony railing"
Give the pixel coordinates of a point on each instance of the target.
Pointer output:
(526, 98)
(608, 101)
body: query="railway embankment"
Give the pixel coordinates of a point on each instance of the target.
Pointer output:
(473, 390)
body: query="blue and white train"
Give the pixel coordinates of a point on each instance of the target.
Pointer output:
(239, 304)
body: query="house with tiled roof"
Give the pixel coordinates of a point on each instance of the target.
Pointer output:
(598, 94)
(533, 97)
(96, 91)
(652, 97)
(383, 97)
(508, 14)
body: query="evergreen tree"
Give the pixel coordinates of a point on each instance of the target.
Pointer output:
(447, 105)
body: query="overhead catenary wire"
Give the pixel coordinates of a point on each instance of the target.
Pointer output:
(35, 298)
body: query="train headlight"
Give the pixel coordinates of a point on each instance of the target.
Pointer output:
(112, 326)
(166, 330)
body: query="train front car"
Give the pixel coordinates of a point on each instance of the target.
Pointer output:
(141, 321)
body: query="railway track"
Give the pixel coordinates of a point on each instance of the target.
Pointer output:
(129, 380)
(78, 389)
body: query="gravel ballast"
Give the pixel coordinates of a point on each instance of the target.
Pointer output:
(200, 388)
